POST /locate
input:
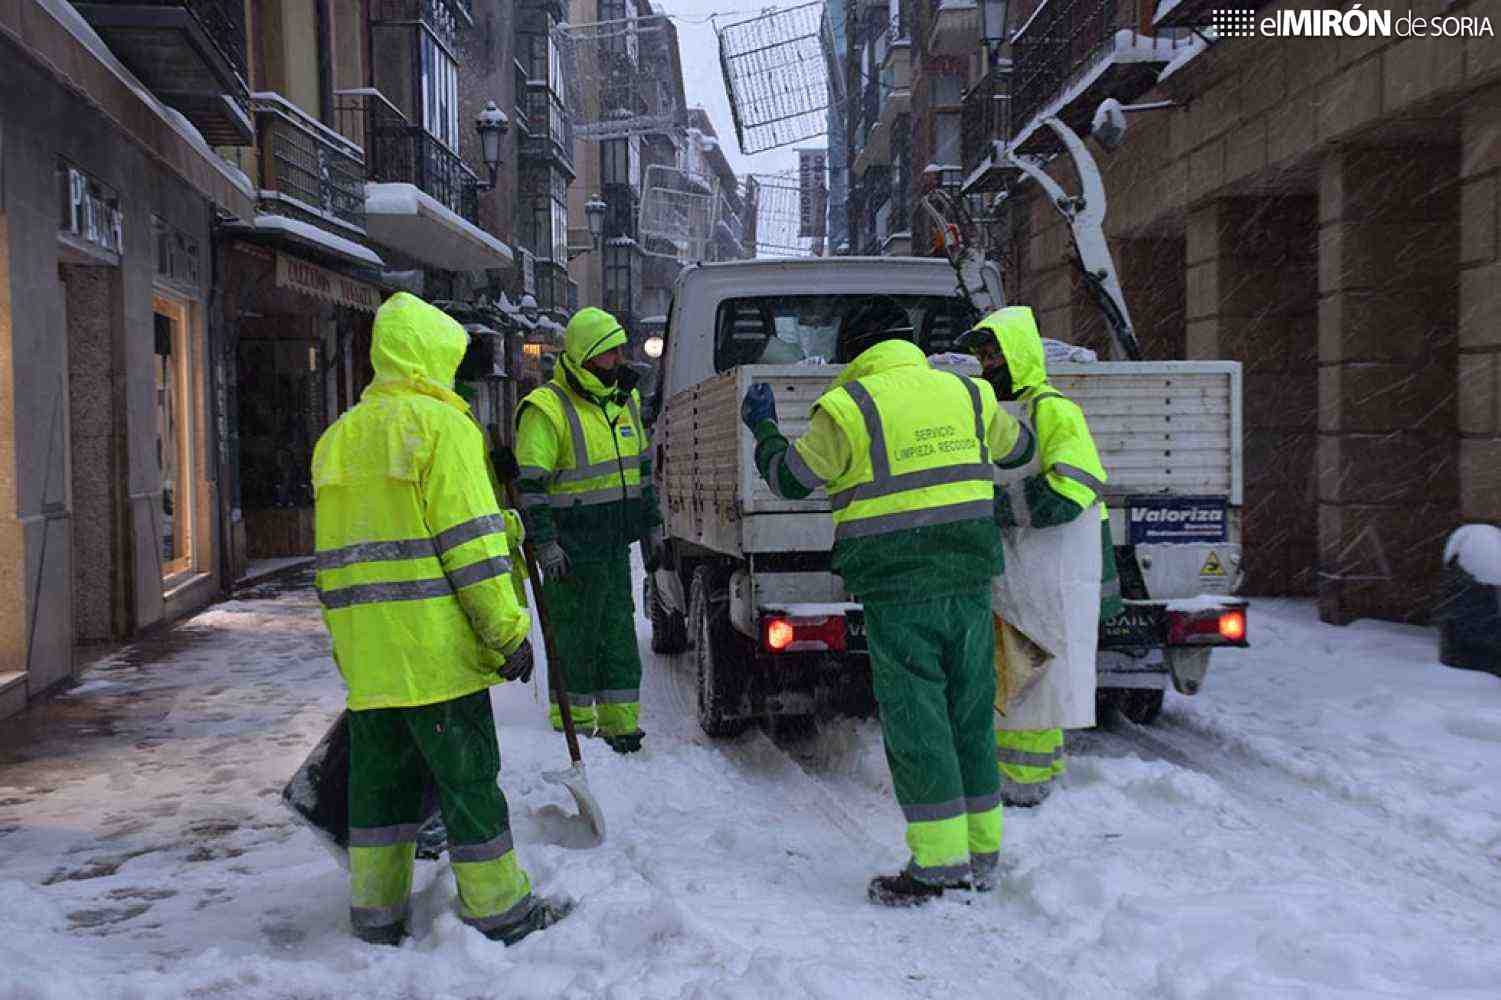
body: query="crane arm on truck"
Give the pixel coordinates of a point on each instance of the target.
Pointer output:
(1085, 215)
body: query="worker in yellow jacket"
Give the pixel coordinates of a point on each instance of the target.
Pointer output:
(585, 482)
(414, 575)
(906, 454)
(1068, 484)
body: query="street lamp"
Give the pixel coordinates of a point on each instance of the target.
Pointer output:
(491, 124)
(993, 14)
(529, 308)
(652, 347)
(594, 215)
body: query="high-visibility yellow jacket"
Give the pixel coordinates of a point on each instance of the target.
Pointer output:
(905, 453)
(585, 474)
(1072, 478)
(413, 566)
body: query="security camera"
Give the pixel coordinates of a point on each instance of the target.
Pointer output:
(1109, 125)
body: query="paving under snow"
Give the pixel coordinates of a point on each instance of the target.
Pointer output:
(1324, 820)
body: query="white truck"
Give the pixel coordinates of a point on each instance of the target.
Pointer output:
(746, 584)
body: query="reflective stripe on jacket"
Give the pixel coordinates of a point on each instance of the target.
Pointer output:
(413, 564)
(918, 451)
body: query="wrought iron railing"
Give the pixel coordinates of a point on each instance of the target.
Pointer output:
(442, 17)
(1061, 38)
(398, 152)
(222, 20)
(303, 160)
(985, 117)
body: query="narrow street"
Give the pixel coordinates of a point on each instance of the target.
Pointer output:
(1323, 820)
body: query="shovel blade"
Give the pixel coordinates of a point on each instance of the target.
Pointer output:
(590, 815)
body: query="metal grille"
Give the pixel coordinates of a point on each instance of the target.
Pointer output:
(773, 213)
(678, 207)
(779, 71)
(1059, 39)
(985, 117)
(621, 77)
(309, 166)
(409, 154)
(441, 18)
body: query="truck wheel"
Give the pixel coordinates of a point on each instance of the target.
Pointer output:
(1140, 705)
(669, 630)
(719, 655)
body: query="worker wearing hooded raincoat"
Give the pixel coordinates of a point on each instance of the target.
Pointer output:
(905, 453)
(413, 572)
(585, 481)
(1052, 509)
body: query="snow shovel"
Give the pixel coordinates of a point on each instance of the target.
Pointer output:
(573, 778)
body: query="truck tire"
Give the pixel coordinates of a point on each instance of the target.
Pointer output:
(1139, 705)
(718, 651)
(669, 630)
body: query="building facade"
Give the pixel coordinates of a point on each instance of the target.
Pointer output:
(227, 191)
(1321, 210)
(108, 197)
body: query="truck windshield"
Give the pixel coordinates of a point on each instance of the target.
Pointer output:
(786, 329)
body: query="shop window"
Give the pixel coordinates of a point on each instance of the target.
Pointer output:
(174, 452)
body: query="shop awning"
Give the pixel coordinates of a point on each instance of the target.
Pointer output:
(405, 218)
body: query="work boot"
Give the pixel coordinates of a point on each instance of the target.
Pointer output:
(626, 742)
(1016, 796)
(903, 890)
(543, 914)
(390, 935)
(984, 874)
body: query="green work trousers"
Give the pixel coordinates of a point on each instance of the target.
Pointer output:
(933, 663)
(393, 751)
(594, 626)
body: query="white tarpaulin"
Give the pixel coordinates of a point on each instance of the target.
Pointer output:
(1050, 592)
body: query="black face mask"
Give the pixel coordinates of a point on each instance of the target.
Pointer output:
(625, 378)
(999, 378)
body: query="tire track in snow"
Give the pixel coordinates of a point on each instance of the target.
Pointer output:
(1330, 826)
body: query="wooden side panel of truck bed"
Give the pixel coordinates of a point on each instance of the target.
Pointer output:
(1162, 427)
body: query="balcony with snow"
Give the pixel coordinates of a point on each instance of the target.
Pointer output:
(1072, 54)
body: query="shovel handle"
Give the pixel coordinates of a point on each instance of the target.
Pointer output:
(555, 681)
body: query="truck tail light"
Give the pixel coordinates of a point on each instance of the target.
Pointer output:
(786, 634)
(1233, 626)
(1208, 627)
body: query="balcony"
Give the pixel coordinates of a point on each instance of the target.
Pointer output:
(549, 128)
(953, 27)
(896, 85)
(444, 18)
(1088, 49)
(307, 170)
(985, 117)
(191, 53)
(420, 197)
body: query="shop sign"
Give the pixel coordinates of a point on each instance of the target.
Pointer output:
(310, 279)
(91, 211)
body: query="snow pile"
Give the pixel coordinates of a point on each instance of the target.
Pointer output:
(1322, 821)
(1477, 547)
(1057, 352)
(319, 237)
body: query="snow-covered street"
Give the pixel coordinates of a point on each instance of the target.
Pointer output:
(1324, 820)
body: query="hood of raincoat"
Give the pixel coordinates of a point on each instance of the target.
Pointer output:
(886, 355)
(590, 333)
(416, 347)
(1015, 329)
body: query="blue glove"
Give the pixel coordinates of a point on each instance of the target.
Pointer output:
(759, 404)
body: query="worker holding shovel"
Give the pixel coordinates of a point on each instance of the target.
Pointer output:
(413, 572)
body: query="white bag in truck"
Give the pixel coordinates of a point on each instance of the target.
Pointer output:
(1050, 592)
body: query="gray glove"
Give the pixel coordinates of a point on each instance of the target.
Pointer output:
(518, 666)
(553, 560)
